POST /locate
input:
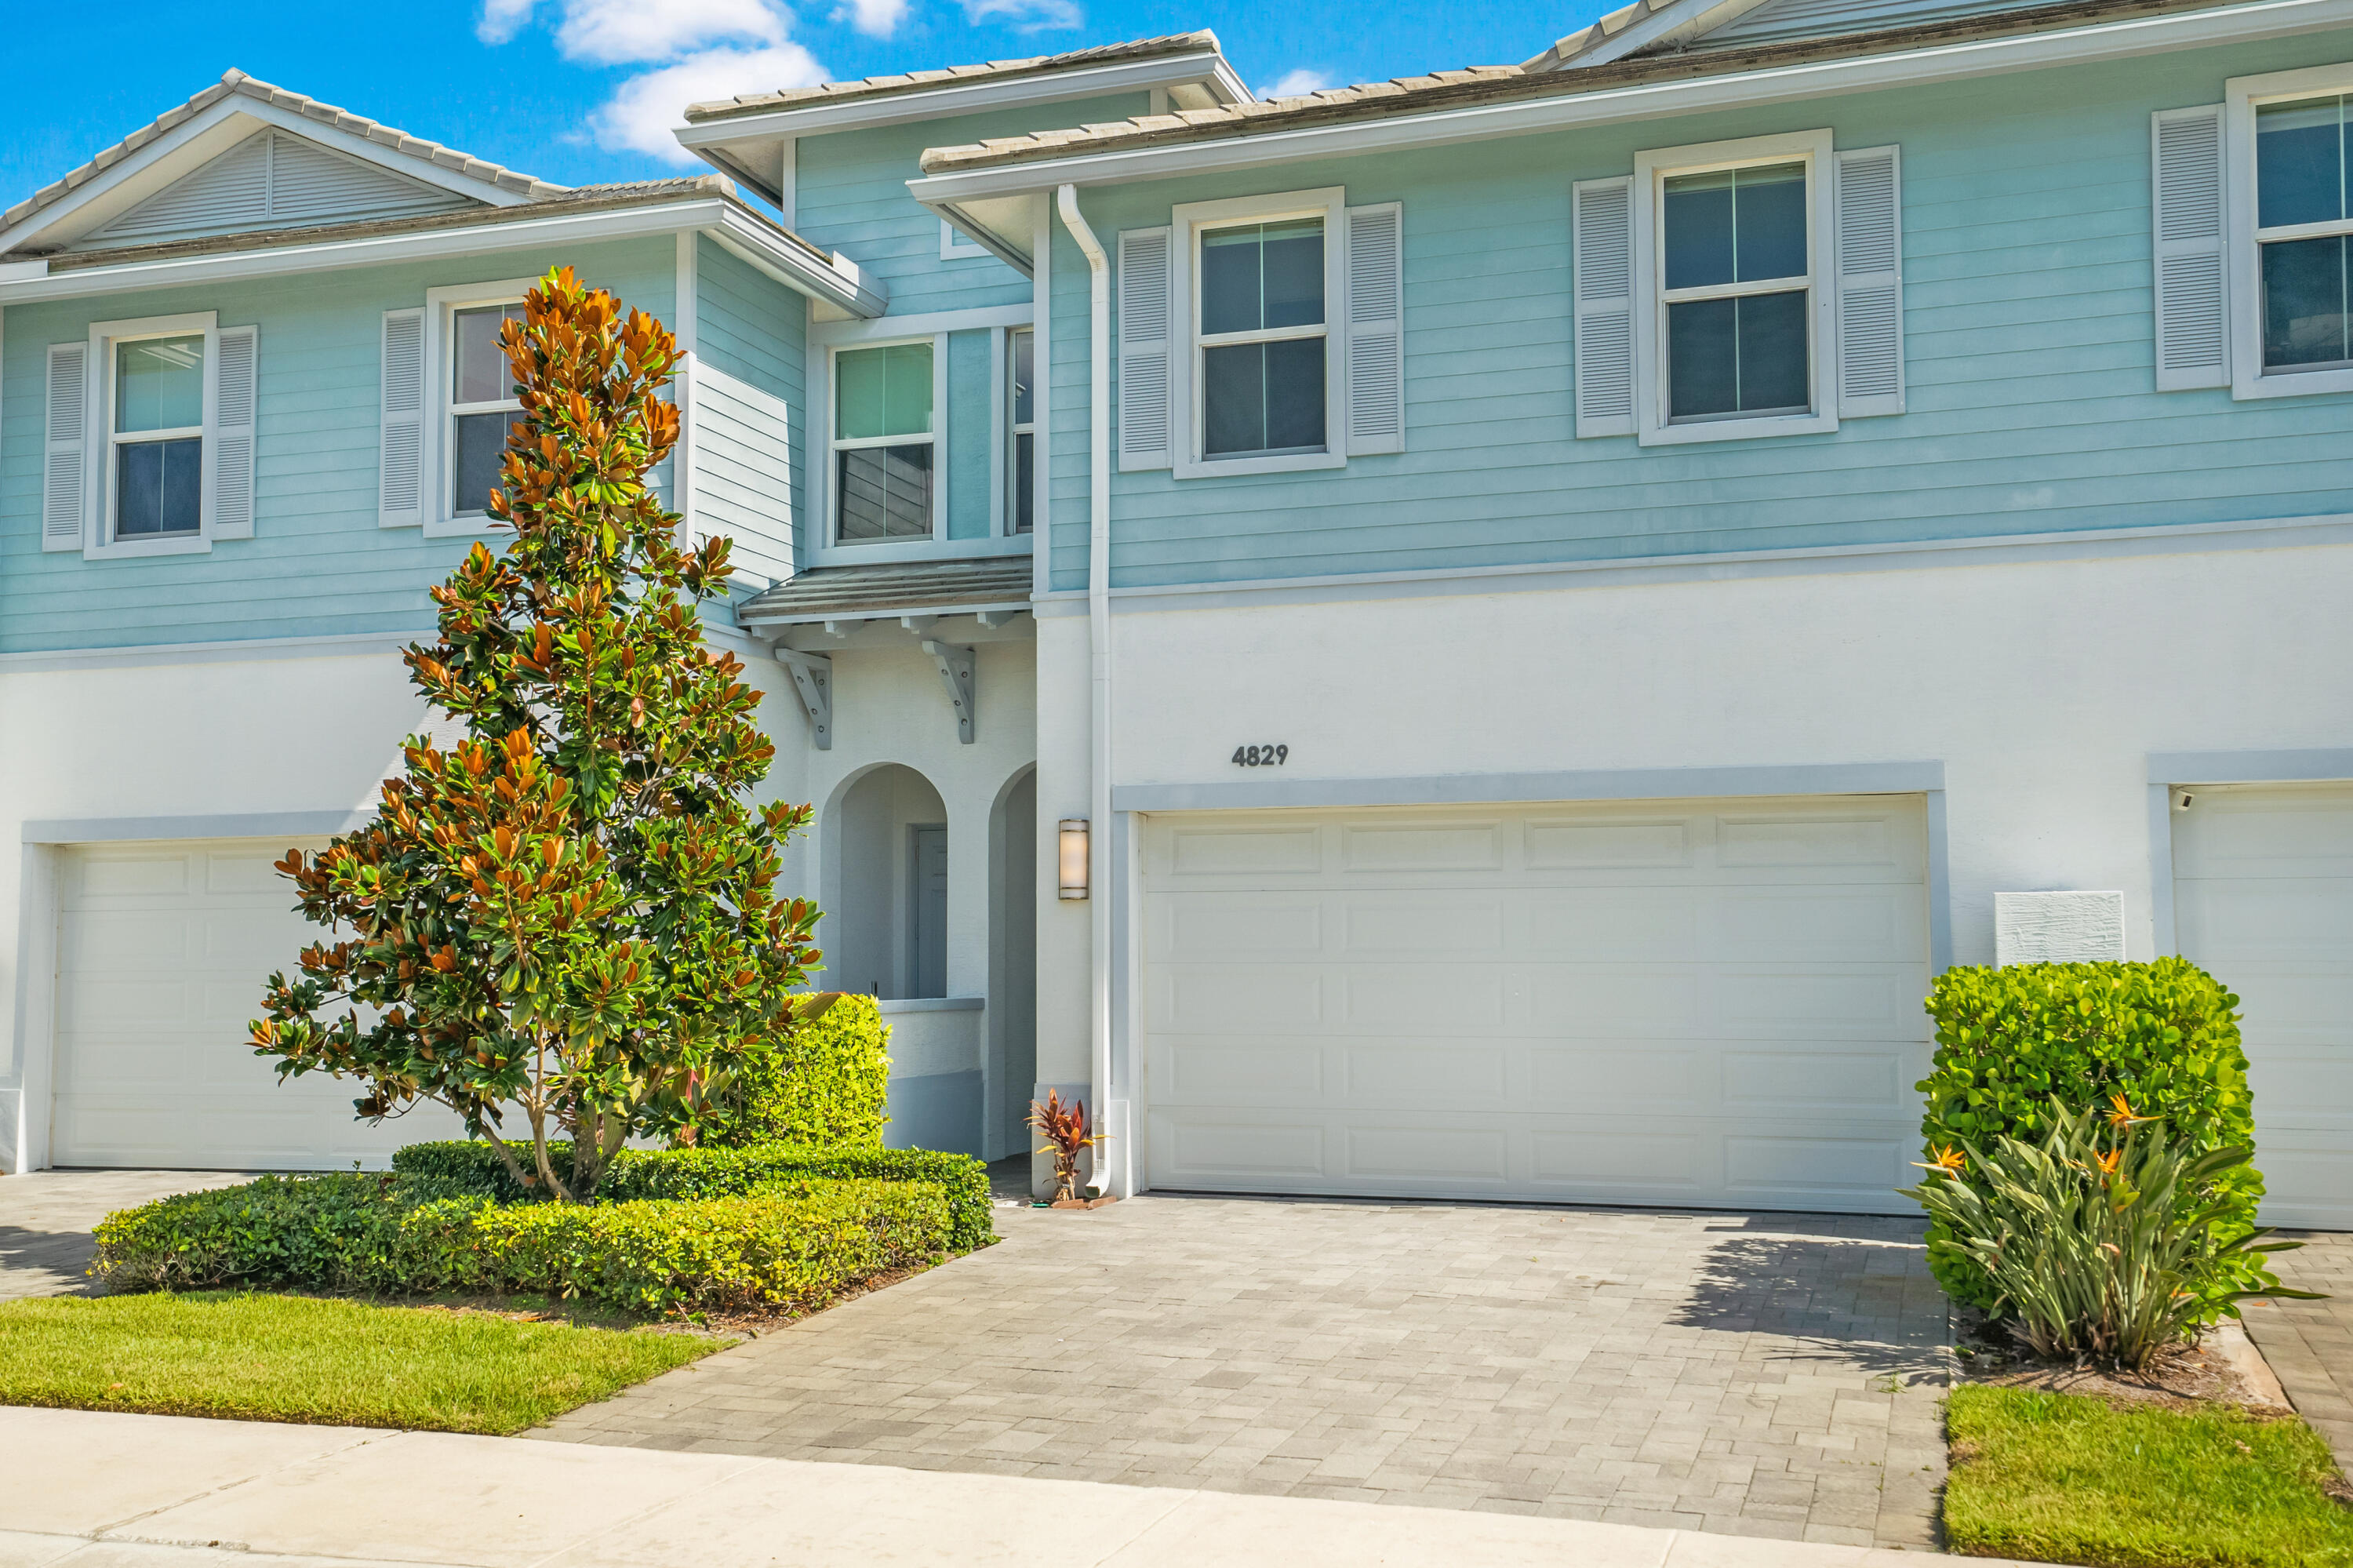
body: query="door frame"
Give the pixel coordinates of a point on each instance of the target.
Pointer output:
(2171, 770)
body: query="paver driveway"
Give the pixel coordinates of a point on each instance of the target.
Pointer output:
(1757, 1375)
(45, 1218)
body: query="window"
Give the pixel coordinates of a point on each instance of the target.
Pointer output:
(1260, 338)
(483, 405)
(2304, 232)
(883, 442)
(1022, 406)
(1736, 286)
(155, 433)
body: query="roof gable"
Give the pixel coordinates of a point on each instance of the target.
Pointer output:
(272, 179)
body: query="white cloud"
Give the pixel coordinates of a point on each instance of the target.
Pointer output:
(501, 20)
(875, 19)
(645, 111)
(1026, 16)
(1297, 84)
(623, 32)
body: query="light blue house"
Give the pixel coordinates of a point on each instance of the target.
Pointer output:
(1475, 636)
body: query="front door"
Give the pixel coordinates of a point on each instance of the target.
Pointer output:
(929, 943)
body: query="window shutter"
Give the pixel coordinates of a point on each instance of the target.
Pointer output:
(2193, 301)
(1603, 306)
(401, 482)
(65, 472)
(1145, 321)
(1375, 329)
(234, 360)
(1870, 282)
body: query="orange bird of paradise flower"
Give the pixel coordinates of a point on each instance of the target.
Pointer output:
(2121, 1113)
(1948, 1160)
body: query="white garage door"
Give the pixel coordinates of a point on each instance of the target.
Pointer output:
(1672, 1003)
(2263, 900)
(163, 950)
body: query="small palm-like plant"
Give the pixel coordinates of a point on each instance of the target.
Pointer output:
(2103, 1248)
(1064, 1129)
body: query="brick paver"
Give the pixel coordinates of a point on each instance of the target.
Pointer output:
(2309, 1344)
(1753, 1375)
(46, 1216)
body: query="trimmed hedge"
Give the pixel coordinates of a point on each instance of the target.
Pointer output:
(823, 1083)
(638, 1174)
(791, 1244)
(2163, 1035)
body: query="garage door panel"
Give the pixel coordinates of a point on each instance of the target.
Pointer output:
(1822, 1082)
(1640, 923)
(1834, 924)
(124, 941)
(1243, 1151)
(1604, 1165)
(1387, 926)
(1413, 996)
(1237, 1071)
(1422, 847)
(1238, 996)
(131, 875)
(1808, 1004)
(1249, 852)
(1237, 927)
(1791, 1165)
(1439, 1075)
(1815, 843)
(1637, 845)
(2266, 919)
(1660, 1002)
(1635, 1077)
(2306, 1177)
(1426, 1150)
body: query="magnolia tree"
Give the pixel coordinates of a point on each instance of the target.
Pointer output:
(565, 926)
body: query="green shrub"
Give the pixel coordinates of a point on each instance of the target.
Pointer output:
(2011, 1041)
(650, 1173)
(789, 1242)
(2100, 1246)
(823, 1082)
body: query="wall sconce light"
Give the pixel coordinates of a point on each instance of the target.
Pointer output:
(1072, 838)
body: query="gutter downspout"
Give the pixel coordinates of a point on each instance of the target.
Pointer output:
(1066, 201)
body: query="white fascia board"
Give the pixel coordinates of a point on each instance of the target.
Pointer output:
(203, 136)
(969, 96)
(810, 274)
(1690, 19)
(1652, 101)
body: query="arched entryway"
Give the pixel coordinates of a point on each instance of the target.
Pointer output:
(887, 893)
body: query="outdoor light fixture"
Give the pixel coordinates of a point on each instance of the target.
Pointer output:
(1073, 833)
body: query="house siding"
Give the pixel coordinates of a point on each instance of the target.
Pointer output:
(2028, 343)
(756, 328)
(318, 563)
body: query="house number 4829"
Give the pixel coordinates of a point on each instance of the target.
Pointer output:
(1262, 756)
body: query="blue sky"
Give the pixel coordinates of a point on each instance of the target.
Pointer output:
(580, 90)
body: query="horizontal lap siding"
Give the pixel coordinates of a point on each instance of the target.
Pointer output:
(318, 564)
(756, 330)
(2028, 343)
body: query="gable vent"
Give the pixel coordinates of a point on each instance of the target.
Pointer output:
(272, 180)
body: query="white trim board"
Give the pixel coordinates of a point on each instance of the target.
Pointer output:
(340, 645)
(844, 334)
(2099, 41)
(225, 825)
(1995, 550)
(2288, 767)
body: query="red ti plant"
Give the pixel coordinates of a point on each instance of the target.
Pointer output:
(1064, 1129)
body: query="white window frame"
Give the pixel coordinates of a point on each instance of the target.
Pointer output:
(98, 542)
(2243, 265)
(1009, 441)
(437, 454)
(1652, 168)
(1190, 223)
(830, 520)
(955, 247)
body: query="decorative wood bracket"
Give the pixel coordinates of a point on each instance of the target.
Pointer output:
(812, 676)
(956, 664)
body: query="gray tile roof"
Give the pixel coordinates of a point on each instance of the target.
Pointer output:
(241, 85)
(917, 80)
(904, 588)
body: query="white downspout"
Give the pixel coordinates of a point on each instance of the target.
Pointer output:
(1066, 201)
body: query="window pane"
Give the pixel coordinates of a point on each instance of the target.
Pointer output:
(1024, 483)
(1261, 397)
(2305, 303)
(2300, 162)
(1025, 358)
(1736, 225)
(478, 364)
(159, 384)
(885, 492)
(1262, 275)
(1738, 356)
(883, 392)
(157, 487)
(481, 454)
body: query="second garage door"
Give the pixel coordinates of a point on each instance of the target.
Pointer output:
(1678, 1003)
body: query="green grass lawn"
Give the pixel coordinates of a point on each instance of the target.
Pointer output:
(297, 1357)
(2057, 1478)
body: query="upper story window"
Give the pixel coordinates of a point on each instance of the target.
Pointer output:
(1022, 409)
(1736, 280)
(157, 433)
(2304, 231)
(1260, 337)
(884, 457)
(482, 404)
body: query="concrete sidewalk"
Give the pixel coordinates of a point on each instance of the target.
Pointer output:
(81, 1490)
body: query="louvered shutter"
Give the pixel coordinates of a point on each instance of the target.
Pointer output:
(64, 466)
(1375, 329)
(235, 362)
(1146, 316)
(1870, 282)
(1603, 306)
(2193, 337)
(400, 501)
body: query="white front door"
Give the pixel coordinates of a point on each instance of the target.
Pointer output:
(2262, 890)
(163, 951)
(1667, 1003)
